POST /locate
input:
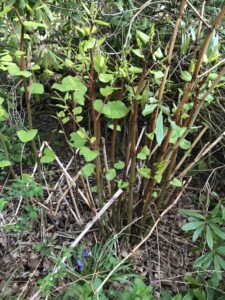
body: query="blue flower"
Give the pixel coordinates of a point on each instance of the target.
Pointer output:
(86, 253)
(79, 264)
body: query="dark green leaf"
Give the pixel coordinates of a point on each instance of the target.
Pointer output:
(209, 237)
(192, 225)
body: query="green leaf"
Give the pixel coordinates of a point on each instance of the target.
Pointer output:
(159, 129)
(143, 153)
(177, 132)
(213, 76)
(185, 144)
(122, 184)
(14, 70)
(88, 154)
(37, 88)
(99, 105)
(143, 36)
(144, 172)
(197, 233)
(5, 163)
(48, 157)
(96, 284)
(90, 43)
(88, 170)
(69, 84)
(149, 108)
(77, 110)
(217, 267)
(106, 77)
(27, 136)
(112, 109)
(223, 212)
(135, 70)
(204, 261)
(100, 64)
(6, 9)
(3, 114)
(118, 127)
(221, 261)
(6, 58)
(186, 76)
(176, 182)
(199, 294)
(158, 53)
(3, 202)
(209, 237)
(111, 174)
(192, 225)
(138, 52)
(220, 250)
(102, 23)
(216, 229)
(157, 74)
(86, 8)
(159, 169)
(78, 139)
(191, 213)
(34, 25)
(119, 165)
(108, 90)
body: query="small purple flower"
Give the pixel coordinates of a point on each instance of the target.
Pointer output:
(86, 253)
(79, 264)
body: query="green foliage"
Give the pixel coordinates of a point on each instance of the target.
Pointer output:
(101, 67)
(14, 70)
(88, 154)
(138, 290)
(74, 84)
(48, 157)
(24, 187)
(210, 230)
(27, 136)
(186, 76)
(4, 163)
(88, 169)
(96, 263)
(113, 109)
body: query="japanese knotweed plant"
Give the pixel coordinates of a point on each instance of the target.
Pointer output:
(136, 90)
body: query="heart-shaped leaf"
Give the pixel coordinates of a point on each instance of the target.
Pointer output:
(143, 153)
(119, 165)
(48, 157)
(111, 174)
(176, 182)
(27, 136)
(88, 154)
(78, 139)
(88, 170)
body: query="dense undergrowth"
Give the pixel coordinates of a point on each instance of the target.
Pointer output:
(108, 109)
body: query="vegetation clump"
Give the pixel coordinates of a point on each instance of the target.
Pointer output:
(108, 117)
